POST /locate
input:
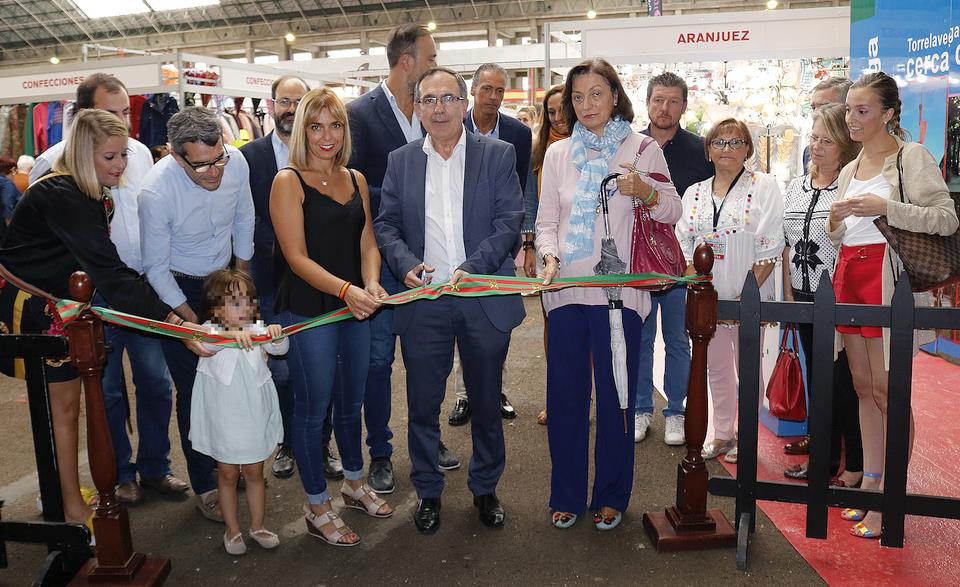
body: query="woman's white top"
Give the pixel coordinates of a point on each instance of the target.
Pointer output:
(749, 229)
(860, 229)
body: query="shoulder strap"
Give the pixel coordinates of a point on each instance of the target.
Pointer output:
(50, 175)
(353, 178)
(900, 175)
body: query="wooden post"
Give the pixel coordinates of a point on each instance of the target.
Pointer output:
(688, 525)
(116, 561)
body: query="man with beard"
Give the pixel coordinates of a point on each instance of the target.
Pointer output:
(266, 157)
(684, 152)
(381, 121)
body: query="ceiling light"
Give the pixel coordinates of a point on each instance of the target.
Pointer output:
(771, 4)
(431, 26)
(591, 14)
(54, 60)
(290, 37)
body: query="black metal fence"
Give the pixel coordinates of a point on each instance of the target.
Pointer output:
(67, 544)
(902, 317)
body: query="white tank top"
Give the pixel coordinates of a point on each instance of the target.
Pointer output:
(860, 229)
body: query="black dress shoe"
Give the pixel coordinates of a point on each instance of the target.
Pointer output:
(491, 512)
(380, 478)
(460, 414)
(427, 516)
(506, 409)
(447, 461)
(284, 463)
(332, 469)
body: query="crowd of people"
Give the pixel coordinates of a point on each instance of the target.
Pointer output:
(343, 205)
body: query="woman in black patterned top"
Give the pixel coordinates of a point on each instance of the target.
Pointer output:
(809, 254)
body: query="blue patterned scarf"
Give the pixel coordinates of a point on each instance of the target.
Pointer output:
(579, 242)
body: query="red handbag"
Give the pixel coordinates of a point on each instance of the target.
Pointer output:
(654, 247)
(785, 390)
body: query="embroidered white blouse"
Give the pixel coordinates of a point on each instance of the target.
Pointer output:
(749, 229)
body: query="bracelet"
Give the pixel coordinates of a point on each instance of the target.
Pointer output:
(554, 258)
(649, 198)
(528, 245)
(343, 289)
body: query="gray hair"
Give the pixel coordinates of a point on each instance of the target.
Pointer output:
(435, 70)
(191, 125)
(840, 85)
(25, 163)
(494, 67)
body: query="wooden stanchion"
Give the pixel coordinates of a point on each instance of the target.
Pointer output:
(688, 525)
(116, 561)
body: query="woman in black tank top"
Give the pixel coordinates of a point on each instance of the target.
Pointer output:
(327, 259)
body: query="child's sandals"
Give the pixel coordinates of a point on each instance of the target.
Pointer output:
(235, 545)
(337, 537)
(373, 506)
(265, 538)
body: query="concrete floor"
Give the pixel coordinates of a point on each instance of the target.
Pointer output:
(528, 551)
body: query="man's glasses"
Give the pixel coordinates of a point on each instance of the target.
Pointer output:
(446, 100)
(286, 103)
(219, 162)
(734, 144)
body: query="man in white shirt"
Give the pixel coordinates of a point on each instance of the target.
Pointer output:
(196, 213)
(150, 375)
(430, 187)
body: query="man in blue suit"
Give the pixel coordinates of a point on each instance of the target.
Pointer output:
(265, 157)
(381, 121)
(488, 88)
(450, 205)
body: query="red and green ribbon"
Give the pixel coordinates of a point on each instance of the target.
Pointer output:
(470, 286)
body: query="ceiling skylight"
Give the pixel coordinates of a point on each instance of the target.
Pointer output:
(101, 9)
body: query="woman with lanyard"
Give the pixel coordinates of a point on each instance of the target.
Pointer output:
(810, 255)
(569, 230)
(739, 214)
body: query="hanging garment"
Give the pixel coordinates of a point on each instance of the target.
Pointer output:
(55, 123)
(40, 127)
(15, 125)
(136, 108)
(156, 112)
(28, 144)
(5, 148)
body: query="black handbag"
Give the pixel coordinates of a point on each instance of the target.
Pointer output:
(931, 261)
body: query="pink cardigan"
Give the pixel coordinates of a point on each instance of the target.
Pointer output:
(556, 200)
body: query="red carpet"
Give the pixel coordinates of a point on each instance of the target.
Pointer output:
(931, 553)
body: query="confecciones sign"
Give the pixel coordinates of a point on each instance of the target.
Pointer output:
(728, 36)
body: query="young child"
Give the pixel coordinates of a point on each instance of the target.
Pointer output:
(235, 414)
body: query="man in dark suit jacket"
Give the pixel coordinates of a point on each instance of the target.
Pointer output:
(488, 88)
(265, 157)
(381, 121)
(451, 204)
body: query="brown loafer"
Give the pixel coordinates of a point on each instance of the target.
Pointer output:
(166, 485)
(800, 447)
(129, 492)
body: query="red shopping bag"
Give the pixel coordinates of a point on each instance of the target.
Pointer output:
(785, 390)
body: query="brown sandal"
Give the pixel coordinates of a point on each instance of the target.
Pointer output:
(353, 498)
(316, 522)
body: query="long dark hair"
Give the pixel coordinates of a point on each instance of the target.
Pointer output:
(544, 137)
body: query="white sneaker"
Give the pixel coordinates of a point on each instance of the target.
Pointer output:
(641, 423)
(674, 435)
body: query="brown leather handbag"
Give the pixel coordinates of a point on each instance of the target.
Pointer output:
(931, 261)
(654, 247)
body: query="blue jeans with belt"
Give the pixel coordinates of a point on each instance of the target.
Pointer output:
(313, 360)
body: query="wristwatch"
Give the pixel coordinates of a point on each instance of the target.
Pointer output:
(550, 255)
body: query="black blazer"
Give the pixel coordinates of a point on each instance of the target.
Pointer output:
(517, 134)
(263, 168)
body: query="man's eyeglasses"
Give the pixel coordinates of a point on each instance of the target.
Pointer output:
(825, 141)
(734, 144)
(219, 162)
(286, 103)
(446, 100)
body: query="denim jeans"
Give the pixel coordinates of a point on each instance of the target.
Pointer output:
(377, 398)
(154, 403)
(313, 359)
(676, 374)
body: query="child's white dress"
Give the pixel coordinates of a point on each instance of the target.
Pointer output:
(235, 413)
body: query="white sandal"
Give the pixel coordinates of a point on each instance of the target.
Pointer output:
(714, 449)
(235, 545)
(265, 538)
(353, 498)
(314, 523)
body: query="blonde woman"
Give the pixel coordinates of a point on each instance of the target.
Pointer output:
(327, 259)
(61, 225)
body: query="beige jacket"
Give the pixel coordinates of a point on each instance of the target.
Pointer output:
(928, 208)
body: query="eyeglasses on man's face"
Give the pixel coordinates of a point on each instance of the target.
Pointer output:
(445, 100)
(286, 103)
(734, 144)
(220, 162)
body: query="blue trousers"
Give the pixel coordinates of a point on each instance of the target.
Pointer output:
(427, 351)
(578, 343)
(377, 397)
(313, 359)
(154, 403)
(183, 367)
(672, 304)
